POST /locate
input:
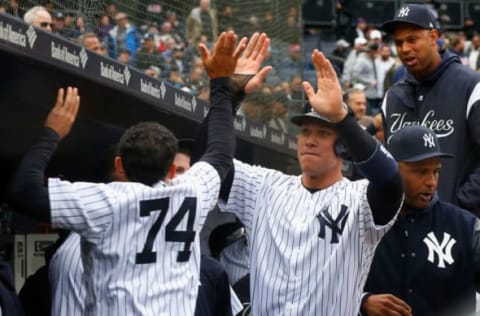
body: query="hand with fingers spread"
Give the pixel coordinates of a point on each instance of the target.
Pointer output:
(223, 60)
(247, 71)
(327, 101)
(385, 305)
(63, 114)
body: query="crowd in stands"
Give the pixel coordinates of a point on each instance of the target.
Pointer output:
(165, 46)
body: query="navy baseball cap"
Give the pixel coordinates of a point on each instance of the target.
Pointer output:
(297, 119)
(416, 14)
(415, 143)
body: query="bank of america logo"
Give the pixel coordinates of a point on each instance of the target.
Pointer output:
(83, 57)
(32, 36)
(442, 250)
(127, 75)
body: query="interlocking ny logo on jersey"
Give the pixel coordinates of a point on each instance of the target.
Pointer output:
(428, 140)
(403, 12)
(443, 249)
(336, 225)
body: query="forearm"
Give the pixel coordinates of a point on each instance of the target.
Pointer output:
(385, 189)
(218, 129)
(28, 193)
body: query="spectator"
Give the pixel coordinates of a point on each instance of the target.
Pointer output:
(457, 46)
(375, 37)
(59, 24)
(357, 102)
(91, 42)
(339, 55)
(3, 9)
(361, 28)
(429, 262)
(103, 28)
(383, 62)
(148, 55)
(440, 93)
(292, 64)
(473, 53)
(14, 9)
(123, 36)
(360, 45)
(153, 71)
(365, 72)
(124, 56)
(202, 20)
(39, 16)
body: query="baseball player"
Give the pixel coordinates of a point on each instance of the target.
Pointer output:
(138, 245)
(312, 237)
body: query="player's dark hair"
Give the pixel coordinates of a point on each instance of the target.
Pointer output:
(147, 150)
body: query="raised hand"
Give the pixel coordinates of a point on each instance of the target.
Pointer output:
(64, 112)
(327, 101)
(386, 305)
(250, 62)
(223, 60)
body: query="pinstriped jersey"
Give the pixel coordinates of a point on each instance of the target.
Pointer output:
(66, 277)
(310, 252)
(139, 244)
(235, 259)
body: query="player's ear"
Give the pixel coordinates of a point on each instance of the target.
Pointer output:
(171, 172)
(118, 165)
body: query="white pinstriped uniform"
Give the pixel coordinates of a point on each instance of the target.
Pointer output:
(235, 260)
(119, 230)
(296, 268)
(66, 277)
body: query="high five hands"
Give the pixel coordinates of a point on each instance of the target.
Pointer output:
(327, 100)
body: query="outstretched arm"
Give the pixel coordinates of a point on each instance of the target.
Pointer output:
(385, 190)
(28, 193)
(218, 125)
(248, 76)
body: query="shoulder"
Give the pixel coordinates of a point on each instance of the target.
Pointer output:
(454, 213)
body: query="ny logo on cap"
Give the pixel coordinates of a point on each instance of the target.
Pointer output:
(428, 140)
(403, 12)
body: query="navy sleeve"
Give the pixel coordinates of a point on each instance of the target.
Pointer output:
(476, 252)
(217, 130)
(468, 195)
(385, 190)
(28, 193)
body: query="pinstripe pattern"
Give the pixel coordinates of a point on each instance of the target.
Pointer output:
(235, 260)
(113, 233)
(65, 273)
(293, 270)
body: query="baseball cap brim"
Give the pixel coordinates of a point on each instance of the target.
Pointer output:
(389, 26)
(426, 156)
(299, 118)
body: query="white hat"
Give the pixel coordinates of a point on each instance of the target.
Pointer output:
(360, 41)
(342, 43)
(374, 34)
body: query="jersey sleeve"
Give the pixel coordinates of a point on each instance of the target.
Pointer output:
(370, 232)
(208, 184)
(85, 208)
(247, 181)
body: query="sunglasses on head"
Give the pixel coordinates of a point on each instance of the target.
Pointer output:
(45, 24)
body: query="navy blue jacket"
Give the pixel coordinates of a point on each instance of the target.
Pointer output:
(407, 265)
(448, 102)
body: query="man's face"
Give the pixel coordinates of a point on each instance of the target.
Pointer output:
(358, 103)
(43, 20)
(417, 49)
(93, 43)
(182, 163)
(420, 181)
(315, 153)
